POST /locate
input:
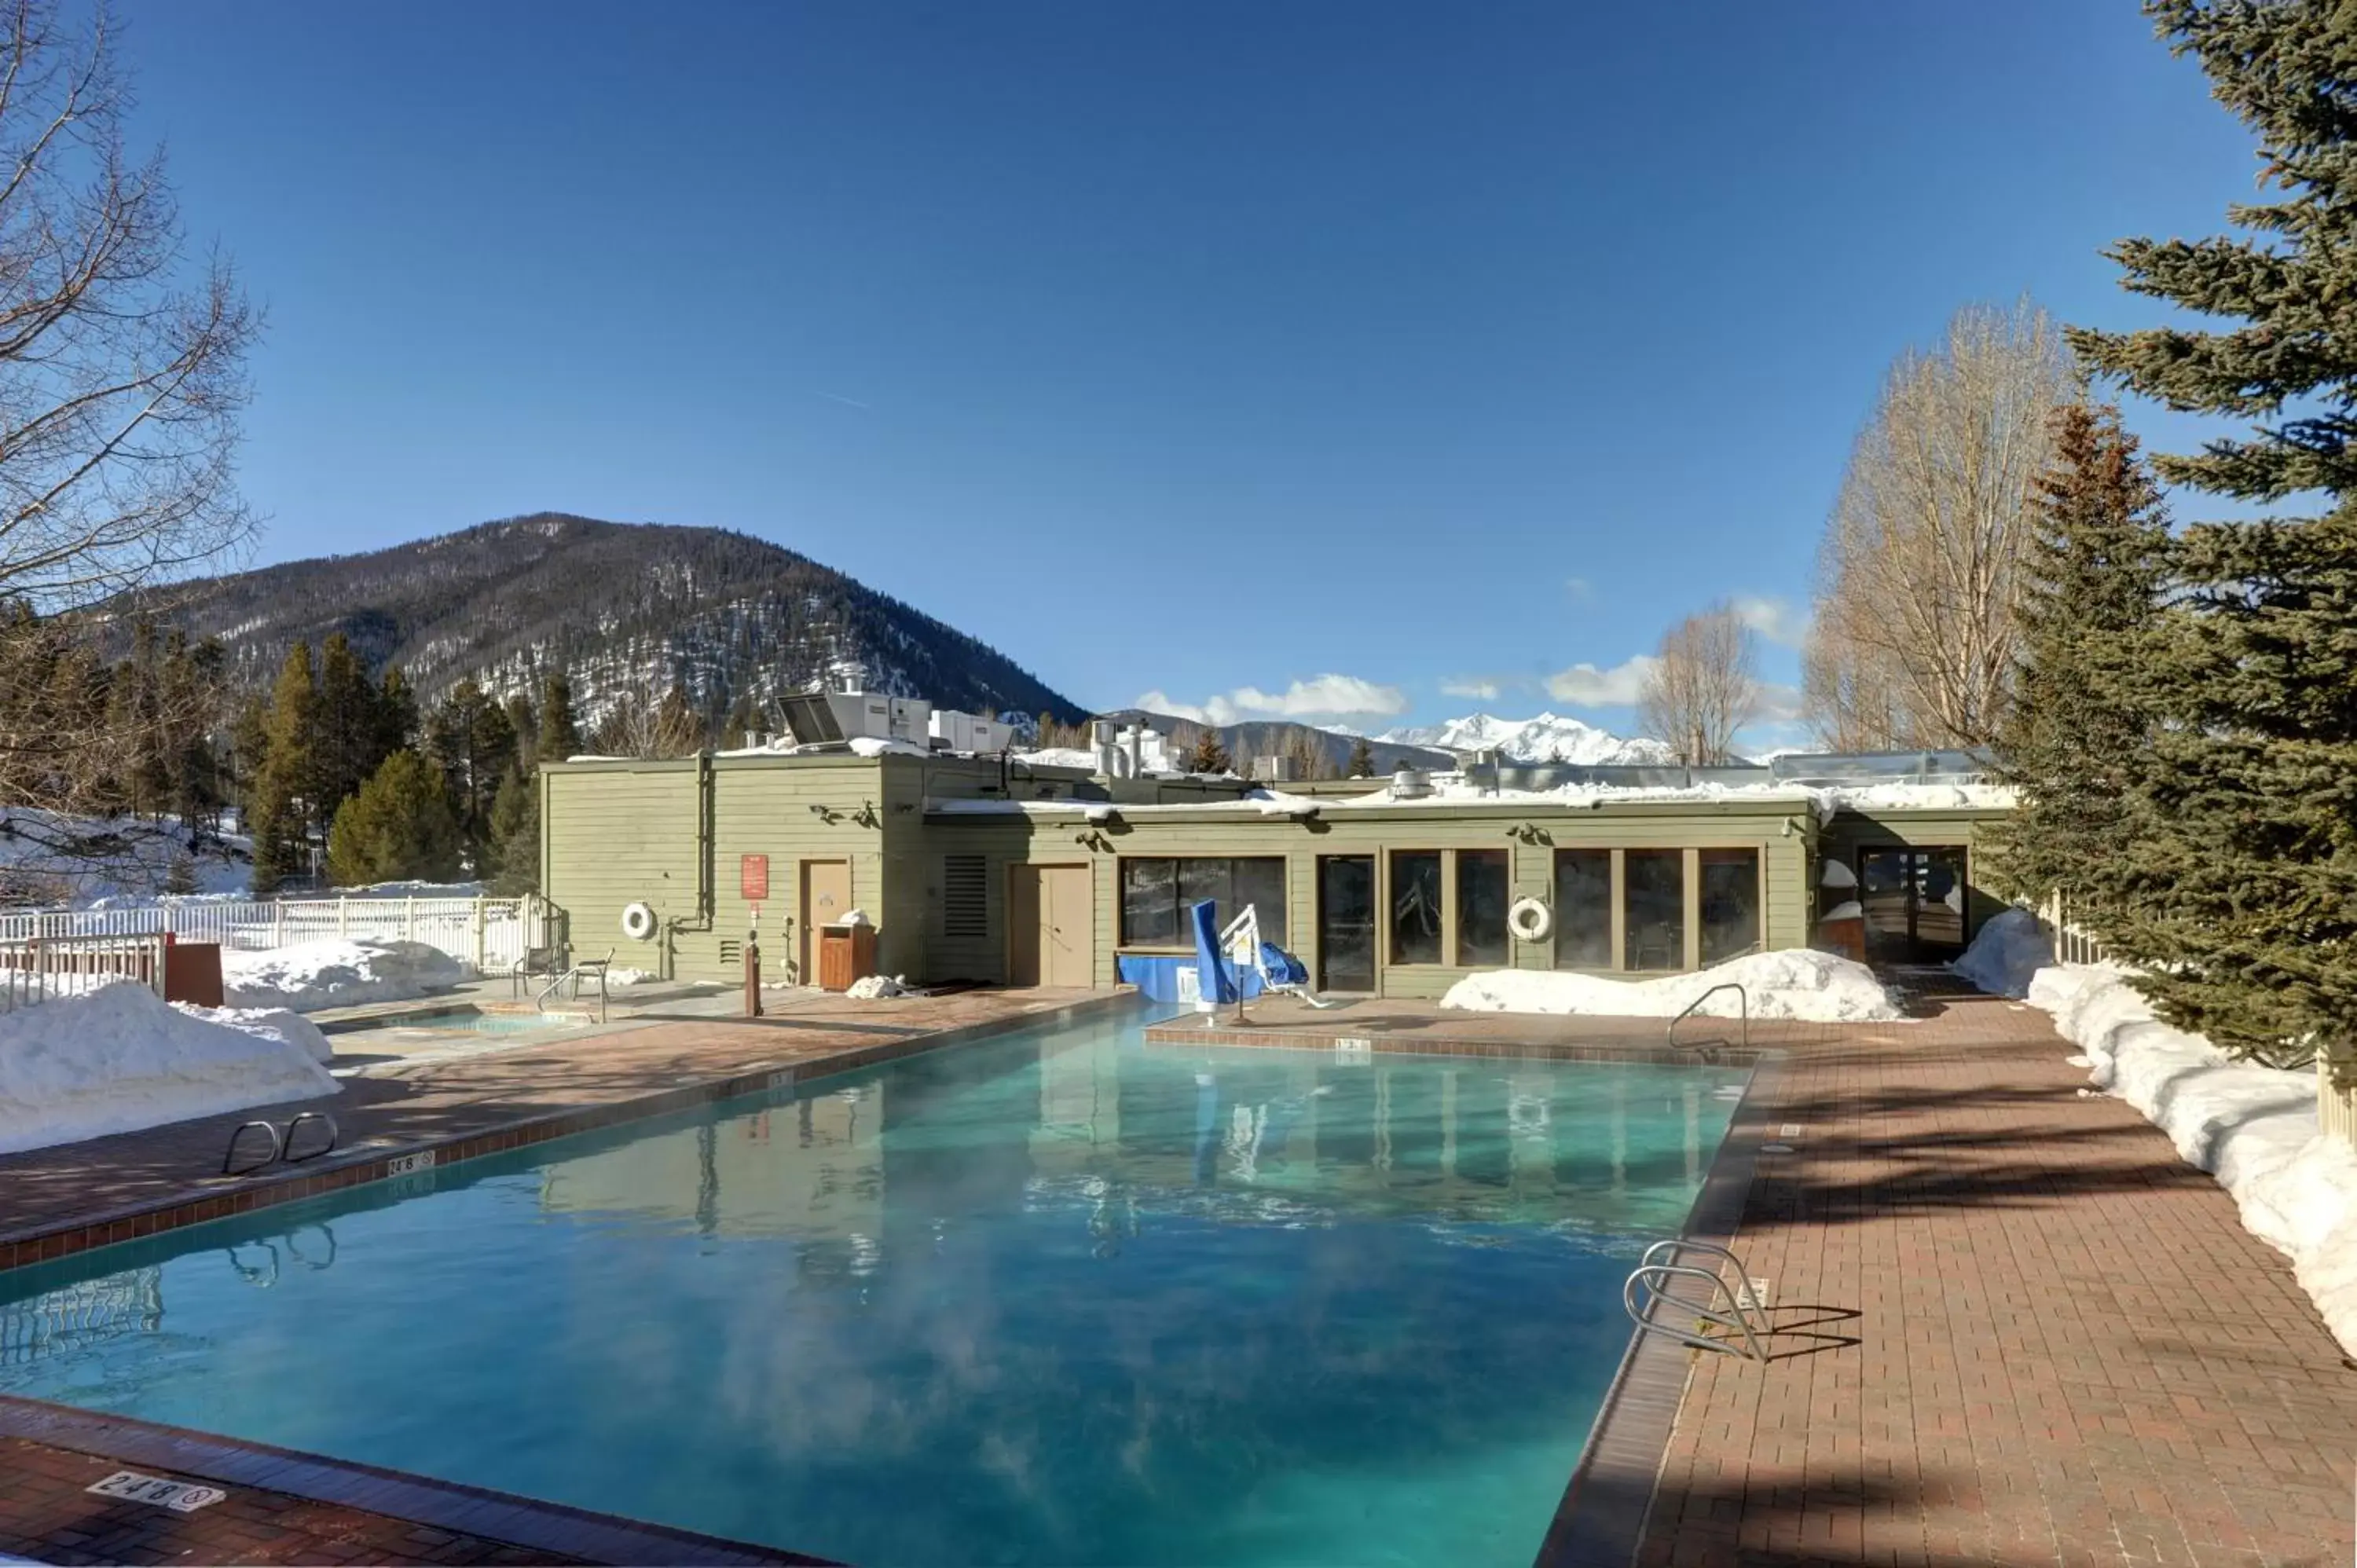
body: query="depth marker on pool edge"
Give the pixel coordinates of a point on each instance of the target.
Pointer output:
(180, 1497)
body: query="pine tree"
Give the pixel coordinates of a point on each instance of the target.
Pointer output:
(398, 827)
(286, 785)
(1362, 759)
(525, 724)
(515, 835)
(2079, 735)
(396, 712)
(468, 736)
(2249, 933)
(350, 732)
(560, 736)
(1208, 756)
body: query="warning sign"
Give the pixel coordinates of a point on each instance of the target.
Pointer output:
(753, 878)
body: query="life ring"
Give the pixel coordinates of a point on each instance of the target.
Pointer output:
(1530, 919)
(638, 922)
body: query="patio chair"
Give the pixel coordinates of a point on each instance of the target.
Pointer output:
(536, 963)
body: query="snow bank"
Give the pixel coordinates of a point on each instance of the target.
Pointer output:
(2254, 1128)
(335, 974)
(874, 987)
(120, 1059)
(1794, 983)
(55, 860)
(2007, 953)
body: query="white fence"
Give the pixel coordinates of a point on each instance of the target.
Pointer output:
(33, 972)
(2071, 945)
(489, 933)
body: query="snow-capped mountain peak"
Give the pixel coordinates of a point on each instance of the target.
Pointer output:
(1550, 737)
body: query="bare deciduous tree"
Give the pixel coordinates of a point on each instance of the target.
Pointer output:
(122, 377)
(1702, 686)
(1913, 641)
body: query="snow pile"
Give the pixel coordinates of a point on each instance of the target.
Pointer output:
(2007, 954)
(2254, 1128)
(337, 973)
(1059, 757)
(55, 860)
(617, 977)
(121, 1058)
(872, 745)
(1792, 983)
(874, 987)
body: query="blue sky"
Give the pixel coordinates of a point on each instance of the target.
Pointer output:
(1368, 361)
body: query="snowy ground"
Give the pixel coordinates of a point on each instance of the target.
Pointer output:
(2254, 1128)
(120, 1059)
(1794, 983)
(334, 972)
(63, 862)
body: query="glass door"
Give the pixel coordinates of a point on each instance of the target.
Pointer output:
(1346, 922)
(1915, 899)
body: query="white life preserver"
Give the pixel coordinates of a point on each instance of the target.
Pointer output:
(638, 922)
(1530, 919)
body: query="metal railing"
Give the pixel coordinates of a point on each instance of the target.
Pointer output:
(2071, 945)
(1730, 1309)
(489, 933)
(1743, 1010)
(44, 967)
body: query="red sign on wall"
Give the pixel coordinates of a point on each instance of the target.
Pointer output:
(753, 878)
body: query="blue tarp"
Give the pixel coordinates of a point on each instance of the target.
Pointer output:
(1211, 970)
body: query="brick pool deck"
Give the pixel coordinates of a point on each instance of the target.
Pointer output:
(2015, 1328)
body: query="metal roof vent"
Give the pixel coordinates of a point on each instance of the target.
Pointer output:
(1410, 784)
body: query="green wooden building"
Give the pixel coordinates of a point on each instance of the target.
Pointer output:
(982, 868)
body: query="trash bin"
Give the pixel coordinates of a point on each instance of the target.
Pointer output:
(847, 953)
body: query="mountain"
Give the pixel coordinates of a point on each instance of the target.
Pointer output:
(615, 605)
(1272, 738)
(1546, 738)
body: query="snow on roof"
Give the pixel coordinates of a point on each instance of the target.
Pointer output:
(1455, 791)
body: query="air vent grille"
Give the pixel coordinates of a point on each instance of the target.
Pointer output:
(966, 896)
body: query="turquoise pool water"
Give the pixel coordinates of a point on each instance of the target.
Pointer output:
(1058, 1298)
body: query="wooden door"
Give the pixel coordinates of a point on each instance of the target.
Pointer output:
(826, 898)
(1050, 926)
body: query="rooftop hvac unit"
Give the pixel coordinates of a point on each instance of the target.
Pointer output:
(1410, 784)
(830, 718)
(953, 731)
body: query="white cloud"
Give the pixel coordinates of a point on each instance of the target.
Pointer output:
(1478, 690)
(1779, 704)
(1585, 686)
(1778, 621)
(1326, 696)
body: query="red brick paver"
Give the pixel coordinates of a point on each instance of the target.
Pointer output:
(2023, 1332)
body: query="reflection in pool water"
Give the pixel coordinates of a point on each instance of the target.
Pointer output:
(1058, 1297)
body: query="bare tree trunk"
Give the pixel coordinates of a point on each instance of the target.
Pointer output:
(1702, 686)
(1913, 641)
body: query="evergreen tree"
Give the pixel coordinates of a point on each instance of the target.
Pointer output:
(1362, 759)
(560, 735)
(192, 683)
(2080, 732)
(1208, 754)
(249, 739)
(398, 827)
(286, 785)
(350, 732)
(525, 724)
(515, 835)
(396, 712)
(2249, 933)
(469, 736)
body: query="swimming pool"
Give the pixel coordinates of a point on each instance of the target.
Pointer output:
(1061, 1296)
(468, 1021)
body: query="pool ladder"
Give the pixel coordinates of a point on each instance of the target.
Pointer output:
(1733, 1310)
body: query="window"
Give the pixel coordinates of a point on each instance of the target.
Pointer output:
(1155, 895)
(1481, 900)
(1653, 908)
(1731, 903)
(1583, 908)
(1415, 906)
(965, 903)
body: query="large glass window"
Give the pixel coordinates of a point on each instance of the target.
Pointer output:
(1653, 907)
(1731, 903)
(1583, 908)
(1482, 899)
(1415, 906)
(1157, 893)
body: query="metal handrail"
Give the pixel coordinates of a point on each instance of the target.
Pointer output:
(1650, 1276)
(229, 1156)
(1743, 1010)
(287, 1143)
